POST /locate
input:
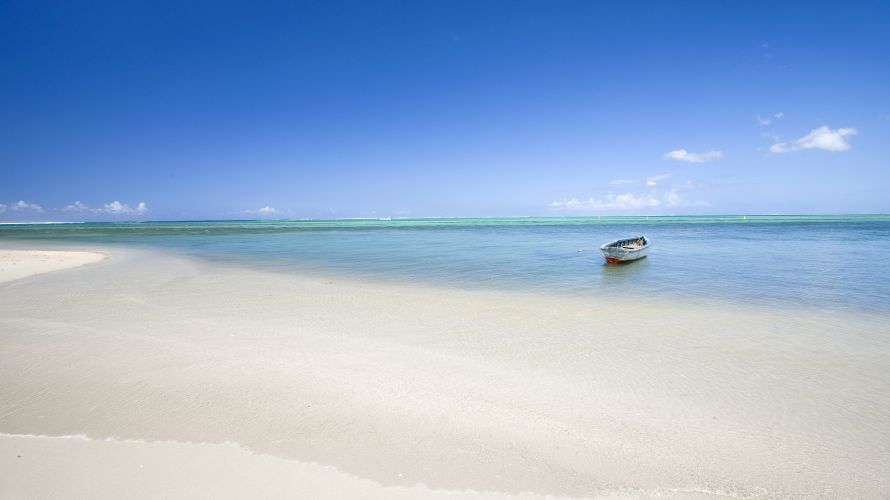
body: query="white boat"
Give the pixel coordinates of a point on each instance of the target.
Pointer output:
(625, 250)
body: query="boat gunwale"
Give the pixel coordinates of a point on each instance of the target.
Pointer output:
(617, 244)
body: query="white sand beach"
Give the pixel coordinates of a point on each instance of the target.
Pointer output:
(18, 264)
(155, 375)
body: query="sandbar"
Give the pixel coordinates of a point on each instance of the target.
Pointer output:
(18, 264)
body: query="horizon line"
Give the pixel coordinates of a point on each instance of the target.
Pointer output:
(391, 219)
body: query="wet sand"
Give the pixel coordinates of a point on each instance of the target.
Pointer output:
(400, 389)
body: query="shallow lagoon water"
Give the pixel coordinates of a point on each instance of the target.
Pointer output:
(835, 262)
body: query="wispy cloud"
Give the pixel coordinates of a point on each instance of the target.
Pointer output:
(655, 179)
(651, 197)
(2, 208)
(683, 155)
(24, 206)
(689, 185)
(618, 182)
(674, 199)
(264, 211)
(819, 138)
(628, 201)
(76, 207)
(769, 119)
(611, 201)
(113, 208)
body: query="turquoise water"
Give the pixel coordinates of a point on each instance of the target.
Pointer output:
(820, 261)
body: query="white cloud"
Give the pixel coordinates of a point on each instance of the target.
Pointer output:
(265, 211)
(819, 138)
(113, 208)
(76, 207)
(611, 201)
(23, 205)
(655, 179)
(769, 119)
(118, 208)
(651, 198)
(2, 208)
(683, 155)
(618, 182)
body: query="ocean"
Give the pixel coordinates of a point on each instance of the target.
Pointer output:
(823, 262)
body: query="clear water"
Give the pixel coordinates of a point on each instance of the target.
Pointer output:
(819, 261)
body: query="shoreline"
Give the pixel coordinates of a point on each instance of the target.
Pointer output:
(326, 273)
(218, 470)
(459, 390)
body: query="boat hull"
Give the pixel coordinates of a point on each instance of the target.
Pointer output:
(619, 255)
(621, 259)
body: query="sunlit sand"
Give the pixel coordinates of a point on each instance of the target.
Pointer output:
(18, 264)
(181, 375)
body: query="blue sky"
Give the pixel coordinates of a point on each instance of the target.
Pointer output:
(217, 109)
